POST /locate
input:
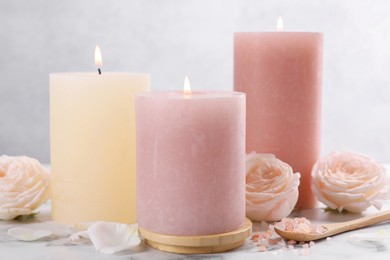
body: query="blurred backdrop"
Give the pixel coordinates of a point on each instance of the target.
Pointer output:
(173, 38)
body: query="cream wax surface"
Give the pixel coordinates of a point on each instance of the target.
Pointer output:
(281, 74)
(93, 146)
(190, 162)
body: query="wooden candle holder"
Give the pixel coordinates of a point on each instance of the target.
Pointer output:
(198, 244)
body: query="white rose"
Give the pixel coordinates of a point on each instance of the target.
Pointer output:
(344, 180)
(24, 186)
(271, 188)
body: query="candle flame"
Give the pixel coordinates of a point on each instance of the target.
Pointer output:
(98, 57)
(187, 87)
(280, 24)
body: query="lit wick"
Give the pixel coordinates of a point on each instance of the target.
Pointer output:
(98, 59)
(187, 88)
(280, 24)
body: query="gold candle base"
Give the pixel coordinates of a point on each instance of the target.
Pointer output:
(198, 244)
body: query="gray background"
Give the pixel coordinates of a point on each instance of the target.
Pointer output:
(174, 38)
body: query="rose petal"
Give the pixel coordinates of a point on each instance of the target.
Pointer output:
(28, 234)
(78, 235)
(11, 213)
(275, 209)
(109, 237)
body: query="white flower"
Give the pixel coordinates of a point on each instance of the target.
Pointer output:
(24, 186)
(345, 180)
(271, 188)
(110, 237)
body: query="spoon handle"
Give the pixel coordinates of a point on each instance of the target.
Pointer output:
(361, 222)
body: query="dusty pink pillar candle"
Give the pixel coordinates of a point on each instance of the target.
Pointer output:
(190, 162)
(281, 74)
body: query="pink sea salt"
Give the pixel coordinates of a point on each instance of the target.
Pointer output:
(291, 242)
(301, 225)
(263, 248)
(302, 228)
(269, 239)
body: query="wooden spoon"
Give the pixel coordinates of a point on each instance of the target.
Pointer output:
(336, 228)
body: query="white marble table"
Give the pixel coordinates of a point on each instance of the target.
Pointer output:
(338, 248)
(374, 242)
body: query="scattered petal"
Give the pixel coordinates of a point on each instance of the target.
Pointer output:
(28, 234)
(78, 235)
(109, 237)
(11, 213)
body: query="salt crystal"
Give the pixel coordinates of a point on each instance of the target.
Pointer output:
(268, 238)
(264, 241)
(302, 228)
(284, 220)
(269, 232)
(289, 226)
(265, 235)
(274, 241)
(280, 225)
(263, 249)
(264, 225)
(281, 243)
(291, 242)
(301, 225)
(304, 220)
(328, 239)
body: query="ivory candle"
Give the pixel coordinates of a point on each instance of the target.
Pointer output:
(190, 162)
(281, 74)
(93, 146)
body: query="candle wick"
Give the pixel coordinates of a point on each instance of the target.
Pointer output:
(100, 72)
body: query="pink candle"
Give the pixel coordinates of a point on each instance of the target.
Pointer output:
(281, 74)
(190, 162)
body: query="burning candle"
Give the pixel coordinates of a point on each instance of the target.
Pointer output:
(190, 161)
(93, 145)
(281, 74)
